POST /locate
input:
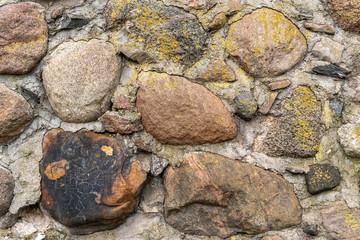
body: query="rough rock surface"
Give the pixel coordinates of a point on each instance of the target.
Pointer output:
(266, 43)
(6, 190)
(346, 14)
(16, 114)
(153, 196)
(332, 70)
(177, 111)
(322, 177)
(168, 32)
(328, 50)
(213, 195)
(297, 132)
(279, 84)
(217, 71)
(23, 37)
(116, 124)
(80, 78)
(246, 105)
(84, 170)
(349, 136)
(341, 222)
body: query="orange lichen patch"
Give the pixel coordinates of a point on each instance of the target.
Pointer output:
(97, 136)
(56, 170)
(107, 150)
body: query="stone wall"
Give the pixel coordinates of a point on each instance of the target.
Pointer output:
(180, 119)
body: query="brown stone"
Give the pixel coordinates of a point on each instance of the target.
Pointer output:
(341, 222)
(346, 14)
(57, 13)
(279, 84)
(23, 37)
(16, 114)
(141, 145)
(217, 71)
(177, 111)
(322, 28)
(89, 182)
(267, 105)
(266, 43)
(218, 21)
(116, 124)
(213, 195)
(121, 102)
(7, 186)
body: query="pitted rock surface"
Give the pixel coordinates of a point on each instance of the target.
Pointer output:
(322, 177)
(297, 132)
(167, 32)
(346, 14)
(349, 136)
(213, 195)
(177, 111)
(217, 71)
(80, 78)
(88, 180)
(6, 190)
(23, 37)
(266, 43)
(16, 114)
(246, 105)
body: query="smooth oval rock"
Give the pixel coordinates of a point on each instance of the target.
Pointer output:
(16, 114)
(349, 138)
(216, 196)
(89, 182)
(266, 43)
(80, 78)
(177, 111)
(23, 37)
(7, 186)
(346, 14)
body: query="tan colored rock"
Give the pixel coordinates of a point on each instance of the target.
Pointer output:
(279, 84)
(23, 37)
(349, 138)
(218, 21)
(213, 195)
(177, 111)
(217, 71)
(323, 28)
(266, 43)
(346, 14)
(328, 50)
(265, 108)
(16, 114)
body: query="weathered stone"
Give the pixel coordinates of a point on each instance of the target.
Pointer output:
(23, 37)
(311, 230)
(328, 50)
(80, 78)
(341, 222)
(153, 196)
(158, 165)
(217, 71)
(273, 237)
(177, 111)
(218, 21)
(121, 102)
(346, 14)
(279, 84)
(349, 136)
(6, 190)
(213, 195)
(16, 114)
(71, 22)
(354, 77)
(323, 28)
(332, 71)
(322, 177)
(265, 108)
(116, 124)
(246, 105)
(337, 106)
(272, 47)
(297, 132)
(166, 32)
(137, 54)
(141, 145)
(82, 171)
(57, 13)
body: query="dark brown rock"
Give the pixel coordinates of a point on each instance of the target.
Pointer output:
(177, 111)
(88, 180)
(217, 71)
(346, 14)
(16, 114)
(323, 28)
(23, 37)
(116, 124)
(6, 190)
(141, 145)
(213, 195)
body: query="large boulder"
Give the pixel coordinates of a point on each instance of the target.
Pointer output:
(213, 195)
(80, 78)
(89, 182)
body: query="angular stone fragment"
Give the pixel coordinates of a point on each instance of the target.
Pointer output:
(16, 114)
(346, 14)
(80, 78)
(266, 43)
(279, 84)
(354, 77)
(153, 196)
(323, 28)
(158, 165)
(217, 71)
(328, 50)
(88, 180)
(246, 105)
(265, 108)
(349, 136)
(311, 230)
(218, 21)
(177, 111)
(121, 102)
(7, 186)
(297, 132)
(322, 177)
(337, 106)
(332, 71)
(116, 124)
(341, 222)
(213, 195)
(23, 37)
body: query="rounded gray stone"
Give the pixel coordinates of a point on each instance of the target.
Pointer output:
(246, 105)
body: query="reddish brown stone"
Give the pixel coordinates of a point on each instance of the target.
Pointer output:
(116, 124)
(279, 84)
(217, 71)
(323, 28)
(213, 195)
(23, 37)
(121, 102)
(267, 105)
(88, 180)
(346, 14)
(177, 111)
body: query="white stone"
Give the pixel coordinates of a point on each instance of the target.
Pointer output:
(328, 50)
